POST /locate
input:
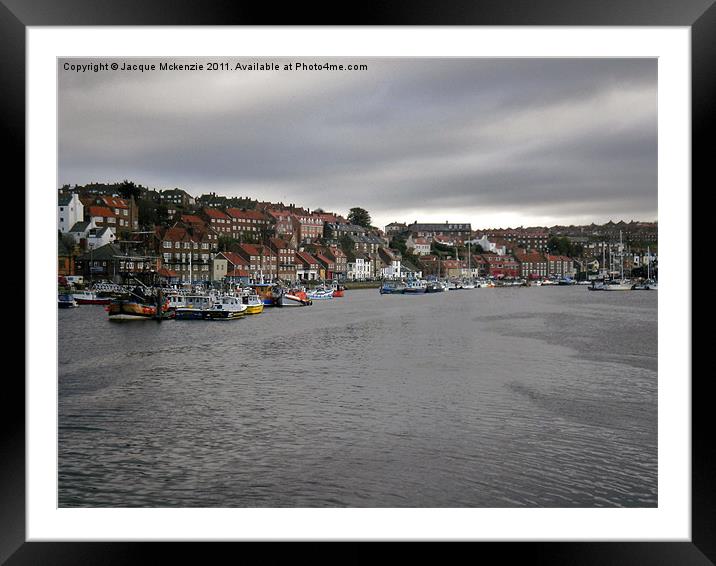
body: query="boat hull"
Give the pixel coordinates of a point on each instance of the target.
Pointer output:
(132, 310)
(255, 309)
(389, 291)
(292, 301)
(93, 301)
(208, 314)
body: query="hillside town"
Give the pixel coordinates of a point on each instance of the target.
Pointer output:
(122, 231)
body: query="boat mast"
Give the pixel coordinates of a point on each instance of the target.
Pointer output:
(621, 254)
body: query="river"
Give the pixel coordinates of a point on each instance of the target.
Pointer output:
(514, 397)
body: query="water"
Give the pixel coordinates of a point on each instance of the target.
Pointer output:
(474, 398)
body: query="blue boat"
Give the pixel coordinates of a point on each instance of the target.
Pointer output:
(392, 288)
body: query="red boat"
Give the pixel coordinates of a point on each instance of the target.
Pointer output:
(338, 290)
(90, 298)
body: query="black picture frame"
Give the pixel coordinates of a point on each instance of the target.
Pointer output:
(699, 15)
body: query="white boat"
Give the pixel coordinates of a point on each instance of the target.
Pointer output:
(205, 307)
(320, 293)
(611, 285)
(647, 285)
(416, 286)
(66, 301)
(90, 298)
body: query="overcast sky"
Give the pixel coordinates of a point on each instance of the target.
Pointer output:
(495, 142)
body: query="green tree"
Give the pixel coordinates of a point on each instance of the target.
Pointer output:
(359, 216)
(128, 189)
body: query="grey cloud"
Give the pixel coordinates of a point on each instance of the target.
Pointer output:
(568, 136)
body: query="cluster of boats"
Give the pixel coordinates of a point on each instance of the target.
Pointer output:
(142, 302)
(438, 286)
(624, 285)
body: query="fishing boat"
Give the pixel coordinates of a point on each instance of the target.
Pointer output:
(254, 304)
(392, 288)
(90, 298)
(206, 307)
(646, 285)
(617, 285)
(434, 287)
(136, 308)
(566, 281)
(416, 286)
(320, 293)
(265, 291)
(454, 285)
(66, 302)
(468, 285)
(291, 298)
(338, 289)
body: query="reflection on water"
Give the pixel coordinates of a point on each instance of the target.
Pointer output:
(474, 398)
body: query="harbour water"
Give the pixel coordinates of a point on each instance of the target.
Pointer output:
(537, 397)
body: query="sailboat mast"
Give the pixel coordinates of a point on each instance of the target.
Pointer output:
(621, 253)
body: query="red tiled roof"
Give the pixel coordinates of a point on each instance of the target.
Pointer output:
(175, 234)
(530, 257)
(234, 258)
(306, 258)
(101, 211)
(279, 243)
(324, 259)
(250, 249)
(214, 213)
(246, 214)
(115, 202)
(191, 219)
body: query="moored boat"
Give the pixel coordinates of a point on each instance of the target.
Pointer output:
(392, 288)
(90, 298)
(292, 298)
(416, 286)
(338, 289)
(204, 307)
(617, 285)
(254, 304)
(434, 287)
(648, 285)
(320, 293)
(136, 309)
(66, 301)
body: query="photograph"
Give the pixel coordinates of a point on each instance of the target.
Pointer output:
(357, 282)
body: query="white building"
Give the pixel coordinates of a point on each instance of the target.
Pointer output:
(360, 269)
(98, 237)
(419, 246)
(70, 210)
(487, 246)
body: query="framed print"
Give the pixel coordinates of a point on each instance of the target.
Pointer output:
(457, 182)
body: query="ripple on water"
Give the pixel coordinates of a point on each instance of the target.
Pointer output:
(484, 398)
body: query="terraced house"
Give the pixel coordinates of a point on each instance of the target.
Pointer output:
(120, 214)
(533, 264)
(218, 220)
(188, 252)
(263, 262)
(249, 225)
